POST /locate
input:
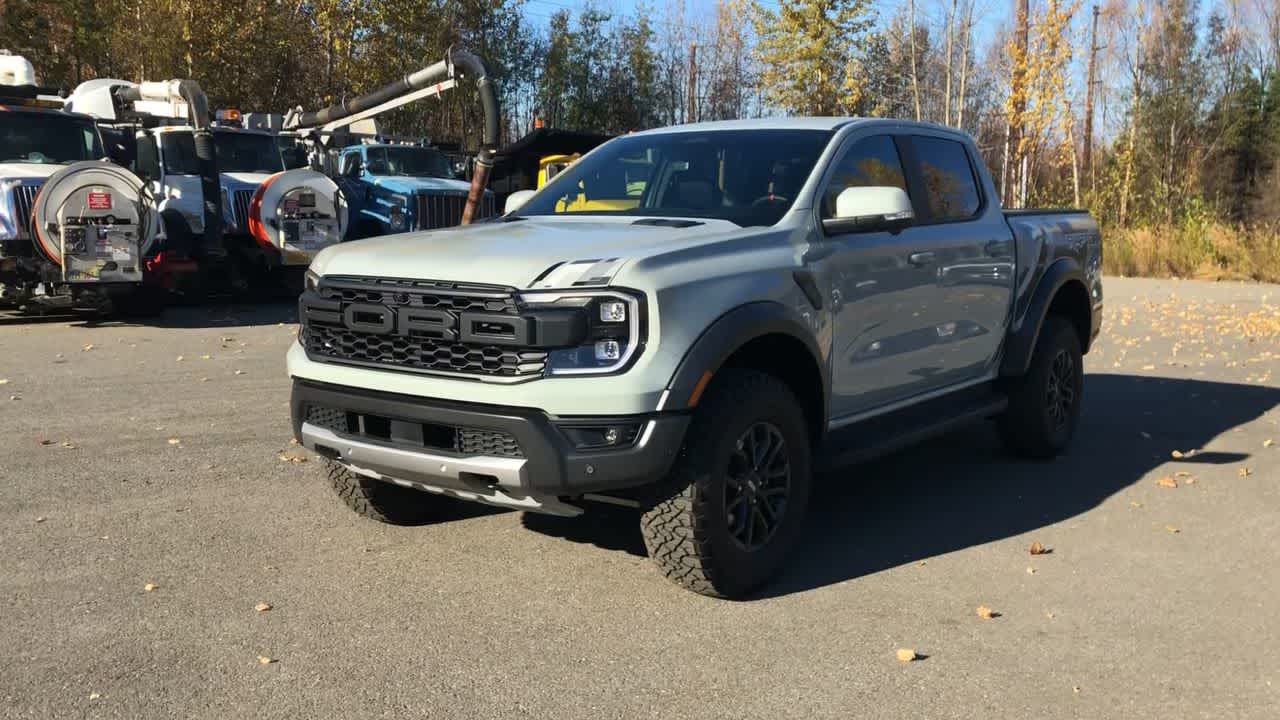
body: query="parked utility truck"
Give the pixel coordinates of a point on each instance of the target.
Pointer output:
(395, 187)
(776, 297)
(235, 217)
(392, 185)
(75, 229)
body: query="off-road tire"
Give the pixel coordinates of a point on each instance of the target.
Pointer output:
(1030, 427)
(382, 501)
(688, 534)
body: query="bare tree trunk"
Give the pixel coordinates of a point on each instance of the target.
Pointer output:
(1087, 149)
(964, 63)
(951, 43)
(1075, 164)
(915, 78)
(693, 82)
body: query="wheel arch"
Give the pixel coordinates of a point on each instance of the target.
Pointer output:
(765, 336)
(1061, 291)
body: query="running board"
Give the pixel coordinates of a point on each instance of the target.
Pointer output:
(882, 435)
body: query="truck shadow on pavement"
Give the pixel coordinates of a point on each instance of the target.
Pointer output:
(211, 315)
(962, 490)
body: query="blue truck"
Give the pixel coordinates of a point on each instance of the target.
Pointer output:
(395, 188)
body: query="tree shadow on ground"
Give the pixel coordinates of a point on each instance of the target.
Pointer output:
(962, 490)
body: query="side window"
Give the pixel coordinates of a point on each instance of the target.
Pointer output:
(872, 161)
(148, 159)
(948, 178)
(179, 153)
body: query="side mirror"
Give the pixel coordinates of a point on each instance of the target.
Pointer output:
(516, 200)
(870, 209)
(353, 167)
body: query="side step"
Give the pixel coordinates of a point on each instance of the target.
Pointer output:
(882, 435)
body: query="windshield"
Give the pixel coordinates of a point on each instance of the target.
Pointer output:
(749, 177)
(414, 161)
(47, 138)
(247, 152)
(235, 152)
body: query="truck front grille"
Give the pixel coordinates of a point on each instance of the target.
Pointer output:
(24, 197)
(240, 200)
(453, 439)
(440, 210)
(426, 347)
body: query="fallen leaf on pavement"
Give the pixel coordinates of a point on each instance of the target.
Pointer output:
(68, 444)
(87, 348)
(1244, 472)
(1031, 571)
(1179, 454)
(239, 372)
(264, 660)
(262, 607)
(94, 696)
(1167, 481)
(292, 456)
(987, 613)
(1268, 442)
(4, 381)
(1038, 549)
(40, 519)
(175, 441)
(150, 587)
(1172, 528)
(906, 655)
(181, 358)
(46, 442)
(1135, 504)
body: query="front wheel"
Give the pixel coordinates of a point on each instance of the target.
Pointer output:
(743, 477)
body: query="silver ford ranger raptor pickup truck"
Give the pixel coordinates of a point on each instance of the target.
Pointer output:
(694, 322)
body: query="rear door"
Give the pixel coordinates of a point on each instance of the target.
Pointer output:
(964, 244)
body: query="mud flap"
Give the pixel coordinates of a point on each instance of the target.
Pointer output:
(92, 221)
(298, 213)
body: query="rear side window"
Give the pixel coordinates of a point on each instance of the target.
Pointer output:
(948, 178)
(872, 161)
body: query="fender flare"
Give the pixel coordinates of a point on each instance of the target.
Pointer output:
(729, 333)
(1021, 342)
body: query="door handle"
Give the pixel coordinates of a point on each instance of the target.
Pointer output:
(920, 258)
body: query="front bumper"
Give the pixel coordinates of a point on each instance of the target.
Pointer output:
(543, 467)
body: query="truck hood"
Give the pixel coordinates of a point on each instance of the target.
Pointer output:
(516, 253)
(409, 185)
(240, 179)
(28, 171)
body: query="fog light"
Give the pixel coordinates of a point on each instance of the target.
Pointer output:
(611, 436)
(608, 350)
(613, 311)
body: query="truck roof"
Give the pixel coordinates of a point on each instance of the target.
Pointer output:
(5, 106)
(794, 123)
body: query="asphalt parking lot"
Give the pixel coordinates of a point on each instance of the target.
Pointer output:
(160, 454)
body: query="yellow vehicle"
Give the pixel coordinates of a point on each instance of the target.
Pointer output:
(616, 192)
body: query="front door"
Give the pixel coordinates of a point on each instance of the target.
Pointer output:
(883, 300)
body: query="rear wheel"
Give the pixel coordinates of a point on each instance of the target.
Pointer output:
(382, 501)
(744, 476)
(1044, 404)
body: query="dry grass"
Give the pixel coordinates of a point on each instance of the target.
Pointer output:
(1207, 251)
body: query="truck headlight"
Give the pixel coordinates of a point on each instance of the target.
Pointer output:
(614, 334)
(396, 217)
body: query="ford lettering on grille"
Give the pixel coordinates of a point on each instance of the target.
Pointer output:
(420, 326)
